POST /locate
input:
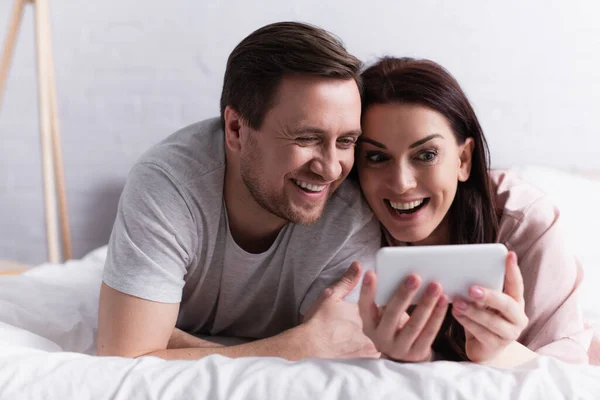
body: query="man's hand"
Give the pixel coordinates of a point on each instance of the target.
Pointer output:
(334, 327)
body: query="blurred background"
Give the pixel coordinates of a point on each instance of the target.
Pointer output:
(129, 73)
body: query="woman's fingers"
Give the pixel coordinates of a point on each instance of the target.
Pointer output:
(504, 304)
(488, 318)
(480, 332)
(420, 314)
(429, 332)
(398, 305)
(513, 280)
(394, 332)
(509, 304)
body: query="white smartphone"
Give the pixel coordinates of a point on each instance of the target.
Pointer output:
(455, 267)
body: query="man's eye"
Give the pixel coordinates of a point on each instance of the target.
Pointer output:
(306, 139)
(347, 142)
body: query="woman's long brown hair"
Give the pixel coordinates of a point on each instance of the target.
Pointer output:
(472, 216)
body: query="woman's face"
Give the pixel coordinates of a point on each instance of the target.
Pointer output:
(409, 164)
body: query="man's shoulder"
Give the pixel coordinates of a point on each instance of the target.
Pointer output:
(348, 200)
(193, 151)
(189, 164)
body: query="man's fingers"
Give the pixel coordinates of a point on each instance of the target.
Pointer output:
(347, 283)
(366, 304)
(338, 291)
(513, 280)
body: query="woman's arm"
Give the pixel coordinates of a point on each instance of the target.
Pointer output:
(552, 277)
(514, 355)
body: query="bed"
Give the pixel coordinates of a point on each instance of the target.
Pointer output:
(48, 325)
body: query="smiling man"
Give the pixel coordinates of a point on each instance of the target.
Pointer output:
(243, 226)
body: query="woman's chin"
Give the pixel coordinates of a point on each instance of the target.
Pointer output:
(410, 237)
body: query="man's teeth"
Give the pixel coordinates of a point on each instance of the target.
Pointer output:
(406, 206)
(309, 186)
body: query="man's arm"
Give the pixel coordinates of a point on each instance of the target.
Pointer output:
(132, 327)
(182, 340)
(129, 326)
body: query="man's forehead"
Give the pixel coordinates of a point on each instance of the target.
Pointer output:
(299, 121)
(315, 104)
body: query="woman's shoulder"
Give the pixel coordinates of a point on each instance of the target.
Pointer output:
(525, 212)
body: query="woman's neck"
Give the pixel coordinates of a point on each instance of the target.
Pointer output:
(440, 236)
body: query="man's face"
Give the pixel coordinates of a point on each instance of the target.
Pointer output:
(304, 148)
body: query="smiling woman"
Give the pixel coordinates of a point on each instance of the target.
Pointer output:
(423, 166)
(411, 160)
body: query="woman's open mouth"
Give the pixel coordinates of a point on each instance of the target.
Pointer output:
(409, 207)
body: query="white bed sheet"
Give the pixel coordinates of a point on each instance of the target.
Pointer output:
(47, 331)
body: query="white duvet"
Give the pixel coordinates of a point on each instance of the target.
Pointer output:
(47, 330)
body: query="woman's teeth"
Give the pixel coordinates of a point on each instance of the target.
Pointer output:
(406, 206)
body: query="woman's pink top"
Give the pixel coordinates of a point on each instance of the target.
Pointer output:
(530, 226)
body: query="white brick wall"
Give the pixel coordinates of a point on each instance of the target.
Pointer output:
(131, 72)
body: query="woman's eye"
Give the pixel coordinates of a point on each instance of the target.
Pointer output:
(376, 157)
(427, 156)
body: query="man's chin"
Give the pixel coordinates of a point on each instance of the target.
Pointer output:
(306, 212)
(305, 217)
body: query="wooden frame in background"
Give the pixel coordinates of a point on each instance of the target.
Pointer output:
(55, 200)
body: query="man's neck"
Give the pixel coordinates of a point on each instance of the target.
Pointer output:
(252, 227)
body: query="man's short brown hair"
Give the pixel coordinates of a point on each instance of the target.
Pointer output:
(259, 62)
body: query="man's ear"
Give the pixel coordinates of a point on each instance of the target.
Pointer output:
(466, 160)
(233, 126)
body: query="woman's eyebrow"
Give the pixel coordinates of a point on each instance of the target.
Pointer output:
(425, 140)
(373, 142)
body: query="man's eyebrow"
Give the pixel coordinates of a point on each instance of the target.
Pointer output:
(355, 132)
(308, 129)
(425, 140)
(313, 129)
(373, 142)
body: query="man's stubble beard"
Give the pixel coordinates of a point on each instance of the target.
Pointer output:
(275, 203)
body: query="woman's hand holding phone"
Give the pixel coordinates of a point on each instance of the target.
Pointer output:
(395, 334)
(493, 320)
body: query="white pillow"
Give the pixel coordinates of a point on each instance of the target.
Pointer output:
(578, 199)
